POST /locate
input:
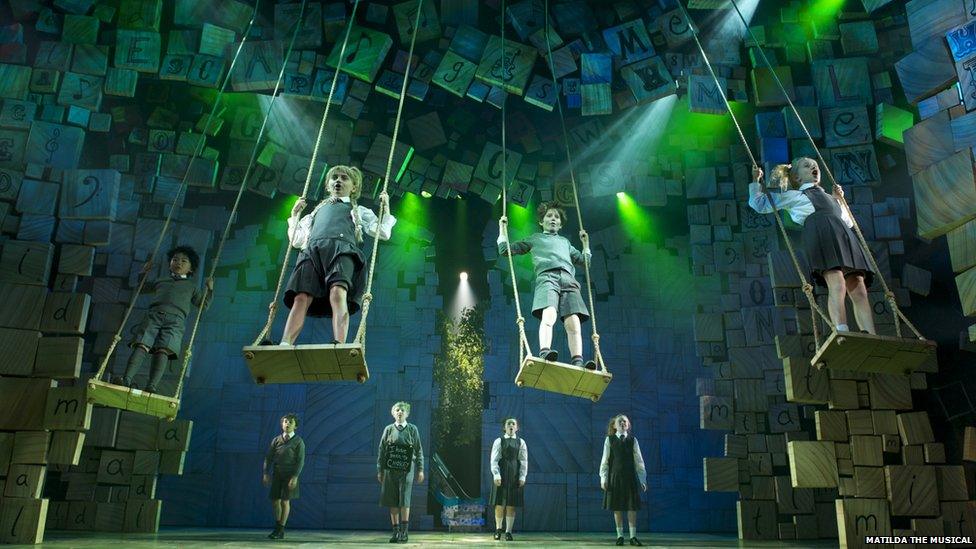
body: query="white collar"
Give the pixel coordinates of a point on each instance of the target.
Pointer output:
(404, 424)
(286, 436)
(505, 435)
(175, 276)
(621, 435)
(806, 186)
(341, 198)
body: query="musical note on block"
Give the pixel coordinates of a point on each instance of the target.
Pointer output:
(649, 80)
(507, 67)
(81, 90)
(364, 55)
(405, 13)
(54, 145)
(454, 73)
(137, 50)
(89, 194)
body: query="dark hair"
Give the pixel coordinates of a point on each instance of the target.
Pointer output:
(190, 254)
(504, 421)
(291, 417)
(544, 208)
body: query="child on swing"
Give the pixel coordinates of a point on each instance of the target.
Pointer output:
(557, 293)
(160, 332)
(622, 474)
(837, 260)
(330, 273)
(400, 456)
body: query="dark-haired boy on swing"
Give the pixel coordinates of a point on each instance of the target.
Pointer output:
(160, 332)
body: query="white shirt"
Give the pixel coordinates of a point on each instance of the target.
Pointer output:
(299, 231)
(496, 456)
(794, 202)
(638, 462)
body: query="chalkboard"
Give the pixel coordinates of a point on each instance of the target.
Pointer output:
(397, 457)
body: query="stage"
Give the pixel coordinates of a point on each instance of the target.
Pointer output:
(199, 538)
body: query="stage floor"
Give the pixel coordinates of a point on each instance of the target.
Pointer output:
(200, 538)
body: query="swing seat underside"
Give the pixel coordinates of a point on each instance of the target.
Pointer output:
(566, 379)
(133, 400)
(859, 352)
(306, 363)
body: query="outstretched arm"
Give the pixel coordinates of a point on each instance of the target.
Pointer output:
(371, 224)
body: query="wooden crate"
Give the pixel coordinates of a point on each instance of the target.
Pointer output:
(857, 352)
(306, 363)
(562, 378)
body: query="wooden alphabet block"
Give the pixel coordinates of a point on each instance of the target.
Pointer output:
(867, 450)
(81, 515)
(171, 462)
(454, 73)
(914, 428)
(869, 482)
(704, 96)
(843, 394)
(142, 515)
(676, 30)
(831, 425)
(813, 464)
(206, 71)
(942, 192)
(22, 520)
(855, 165)
(66, 447)
(54, 145)
(721, 474)
(952, 483)
(969, 444)
(890, 392)
(926, 70)
(104, 427)
(841, 82)
(80, 29)
(405, 14)
(509, 69)
(24, 481)
(860, 422)
(756, 519)
(65, 313)
(67, 409)
(137, 50)
(54, 56)
(861, 517)
(928, 142)
(109, 517)
(885, 422)
(716, 413)
(14, 81)
(846, 126)
(629, 41)
(649, 80)
(89, 194)
(17, 114)
(765, 90)
(20, 348)
(542, 93)
(30, 447)
(26, 262)
(174, 435)
(121, 82)
(364, 53)
(804, 383)
(913, 490)
(140, 14)
(115, 467)
(137, 432)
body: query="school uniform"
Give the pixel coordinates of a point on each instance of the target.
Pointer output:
(553, 259)
(399, 440)
(330, 254)
(161, 329)
(622, 471)
(285, 459)
(827, 236)
(509, 464)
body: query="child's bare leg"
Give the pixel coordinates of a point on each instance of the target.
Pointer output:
(509, 518)
(545, 327)
(836, 292)
(340, 312)
(574, 333)
(296, 318)
(404, 514)
(618, 521)
(276, 507)
(394, 515)
(285, 509)
(632, 522)
(499, 517)
(862, 305)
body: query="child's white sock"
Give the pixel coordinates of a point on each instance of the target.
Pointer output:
(633, 531)
(843, 328)
(620, 531)
(284, 344)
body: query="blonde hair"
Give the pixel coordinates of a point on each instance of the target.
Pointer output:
(356, 175)
(783, 174)
(401, 404)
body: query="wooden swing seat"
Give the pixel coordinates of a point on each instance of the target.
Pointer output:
(133, 400)
(859, 352)
(566, 379)
(306, 363)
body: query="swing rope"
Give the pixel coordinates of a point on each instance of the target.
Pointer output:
(176, 199)
(273, 306)
(237, 201)
(524, 348)
(584, 236)
(806, 286)
(896, 312)
(384, 197)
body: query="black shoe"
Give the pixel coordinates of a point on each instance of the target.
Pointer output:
(396, 534)
(404, 537)
(121, 381)
(153, 389)
(636, 542)
(508, 536)
(549, 355)
(266, 342)
(498, 535)
(620, 541)
(590, 365)
(278, 533)
(281, 533)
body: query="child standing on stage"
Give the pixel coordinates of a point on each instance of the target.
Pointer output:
(282, 465)
(400, 456)
(557, 293)
(509, 466)
(161, 331)
(836, 257)
(330, 274)
(622, 474)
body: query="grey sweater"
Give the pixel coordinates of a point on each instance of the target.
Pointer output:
(549, 251)
(175, 295)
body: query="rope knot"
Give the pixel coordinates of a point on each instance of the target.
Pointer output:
(807, 288)
(595, 338)
(367, 298)
(520, 320)
(889, 295)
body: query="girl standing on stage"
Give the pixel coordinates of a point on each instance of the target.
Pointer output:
(837, 260)
(400, 457)
(509, 466)
(622, 476)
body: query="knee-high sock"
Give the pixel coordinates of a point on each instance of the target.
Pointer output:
(136, 359)
(158, 368)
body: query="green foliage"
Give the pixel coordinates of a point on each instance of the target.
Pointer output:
(458, 373)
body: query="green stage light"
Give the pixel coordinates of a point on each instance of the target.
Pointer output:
(425, 194)
(621, 194)
(636, 221)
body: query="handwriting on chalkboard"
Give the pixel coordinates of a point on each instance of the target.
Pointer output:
(397, 457)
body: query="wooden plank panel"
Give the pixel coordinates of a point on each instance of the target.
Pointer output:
(271, 364)
(813, 464)
(857, 352)
(562, 378)
(22, 403)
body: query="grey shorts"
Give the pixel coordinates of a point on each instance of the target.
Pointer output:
(159, 330)
(557, 288)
